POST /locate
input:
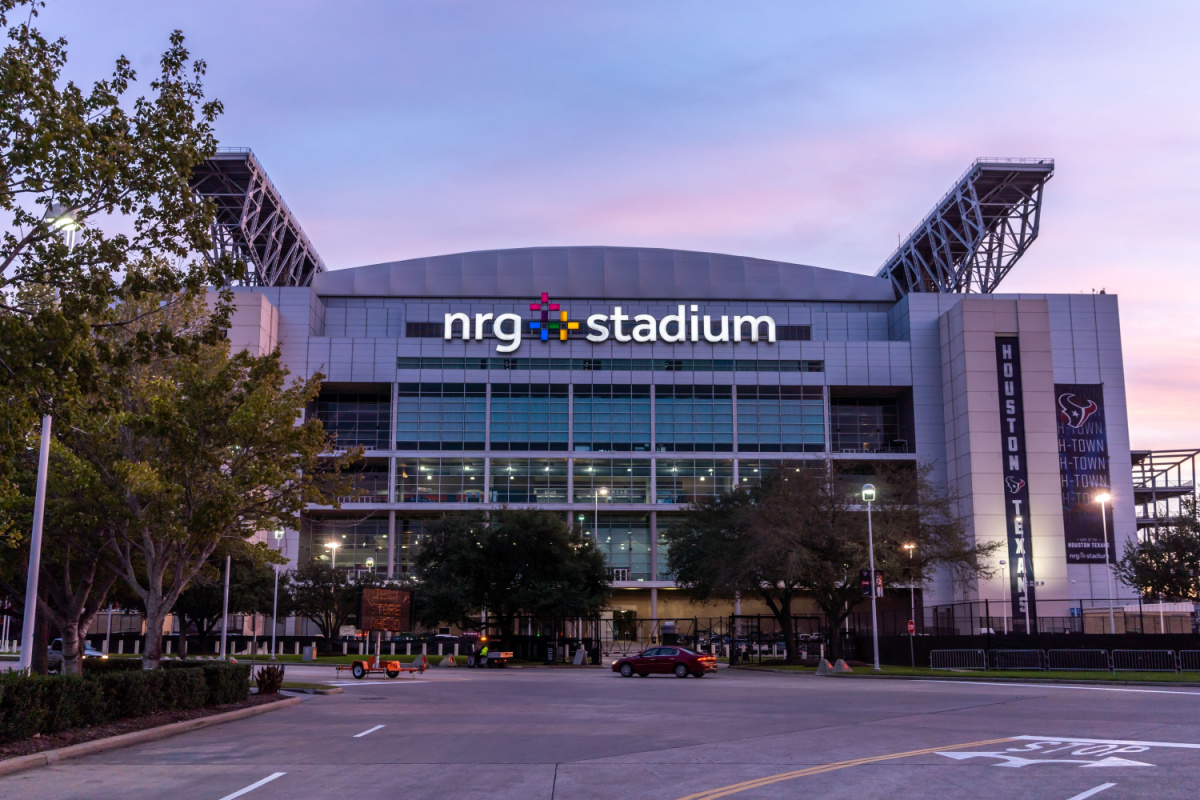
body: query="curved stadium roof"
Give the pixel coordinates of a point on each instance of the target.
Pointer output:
(603, 272)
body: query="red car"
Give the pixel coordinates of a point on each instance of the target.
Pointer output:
(676, 661)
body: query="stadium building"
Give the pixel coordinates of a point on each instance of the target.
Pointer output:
(617, 385)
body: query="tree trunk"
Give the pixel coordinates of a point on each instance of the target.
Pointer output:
(781, 608)
(152, 655)
(72, 662)
(39, 661)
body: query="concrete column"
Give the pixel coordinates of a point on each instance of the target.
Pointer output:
(653, 545)
(391, 567)
(653, 603)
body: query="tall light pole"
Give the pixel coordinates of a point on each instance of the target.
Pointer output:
(60, 219)
(1103, 499)
(868, 496)
(1004, 588)
(912, 604)
(275, 601)
(333, 548)
(601, 492)
(225, 608)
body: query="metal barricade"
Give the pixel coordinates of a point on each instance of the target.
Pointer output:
(1017, 659)
(1144, 661)
(957, 659)
(1189, 660)
(1082, 660)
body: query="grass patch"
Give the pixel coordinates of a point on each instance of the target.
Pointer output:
(303, 685)
(1051, 676)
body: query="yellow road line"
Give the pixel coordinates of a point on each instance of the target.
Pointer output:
(723, 791)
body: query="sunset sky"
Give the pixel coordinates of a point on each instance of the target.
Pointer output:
(796, 131)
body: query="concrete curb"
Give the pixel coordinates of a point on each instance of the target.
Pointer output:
(22, 763)
(330, 690)
(982, 679)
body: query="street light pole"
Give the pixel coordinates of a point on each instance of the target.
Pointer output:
(29, 619)
(868, 496)
(1102, 499)
(912, 605)
(61, 219)
(275, 600)
(225, 609)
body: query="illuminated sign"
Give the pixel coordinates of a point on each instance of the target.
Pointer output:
(1016, 477)
(553, 322)
(384, 609)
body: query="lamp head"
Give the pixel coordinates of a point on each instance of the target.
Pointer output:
(370, 563)
(1103, 497)
(868, 493)
(602, 491)
(1003, 562)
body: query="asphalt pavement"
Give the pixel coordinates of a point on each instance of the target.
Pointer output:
(588, 733)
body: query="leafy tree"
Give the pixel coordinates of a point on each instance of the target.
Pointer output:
(326, 595)
(1167, 562)
(109, 161)
(803, 532)
(251, 588)
(509, 562)
(118, 165)
(200, 449)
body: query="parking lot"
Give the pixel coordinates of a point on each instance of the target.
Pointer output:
(588, 733)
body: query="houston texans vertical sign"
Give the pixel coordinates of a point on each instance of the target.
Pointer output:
(1016, 478)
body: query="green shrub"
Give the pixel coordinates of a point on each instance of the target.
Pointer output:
(32, 704)
(95, 666)
(21, 706)
(227, 683)
(187, 688)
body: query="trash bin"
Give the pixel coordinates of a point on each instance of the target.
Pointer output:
(309, 654)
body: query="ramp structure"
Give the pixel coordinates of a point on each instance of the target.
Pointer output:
(1162, 480)
(976, 232)
(253, 223)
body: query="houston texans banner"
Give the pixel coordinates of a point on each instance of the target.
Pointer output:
(1016, 478)
(1083, 464)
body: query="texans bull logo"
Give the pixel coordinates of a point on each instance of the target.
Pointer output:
(1073, 412)
(1014, 484)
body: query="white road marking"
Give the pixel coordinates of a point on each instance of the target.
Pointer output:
(1028, 686)
(254, 785)
(1017, 762)
(1090, 792)
(368, 730)
(393, 683)
(1122, 742)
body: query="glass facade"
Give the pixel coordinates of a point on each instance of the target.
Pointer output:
(530, 416)
(346, 542)
(612, 418)
(693, 418)
(625, 541)
(356, 418)
(686, 437)
(626, 479)
(865, 425)
(529, 480)
(775, 419)
(441, 416)
(691, 480)
(439, 480)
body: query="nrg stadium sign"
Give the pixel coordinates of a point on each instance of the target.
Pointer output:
(551, 321)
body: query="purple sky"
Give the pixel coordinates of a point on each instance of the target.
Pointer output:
(791, 131)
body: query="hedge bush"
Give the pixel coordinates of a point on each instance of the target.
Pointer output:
(32, 704)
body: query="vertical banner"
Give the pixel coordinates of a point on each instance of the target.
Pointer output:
(1083, 464)
(1016, 478)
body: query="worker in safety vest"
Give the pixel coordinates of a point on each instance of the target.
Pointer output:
(483, 656)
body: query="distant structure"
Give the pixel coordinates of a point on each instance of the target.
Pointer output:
(253, 223)
(976, 232)
(1162, 480)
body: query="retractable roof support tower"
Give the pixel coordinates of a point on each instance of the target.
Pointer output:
(976, 232)
(253, 223)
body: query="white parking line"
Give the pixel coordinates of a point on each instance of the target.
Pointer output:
(368, 730)
(1090, 792)
(254, 785)
(393, 683)
(1028, 686)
